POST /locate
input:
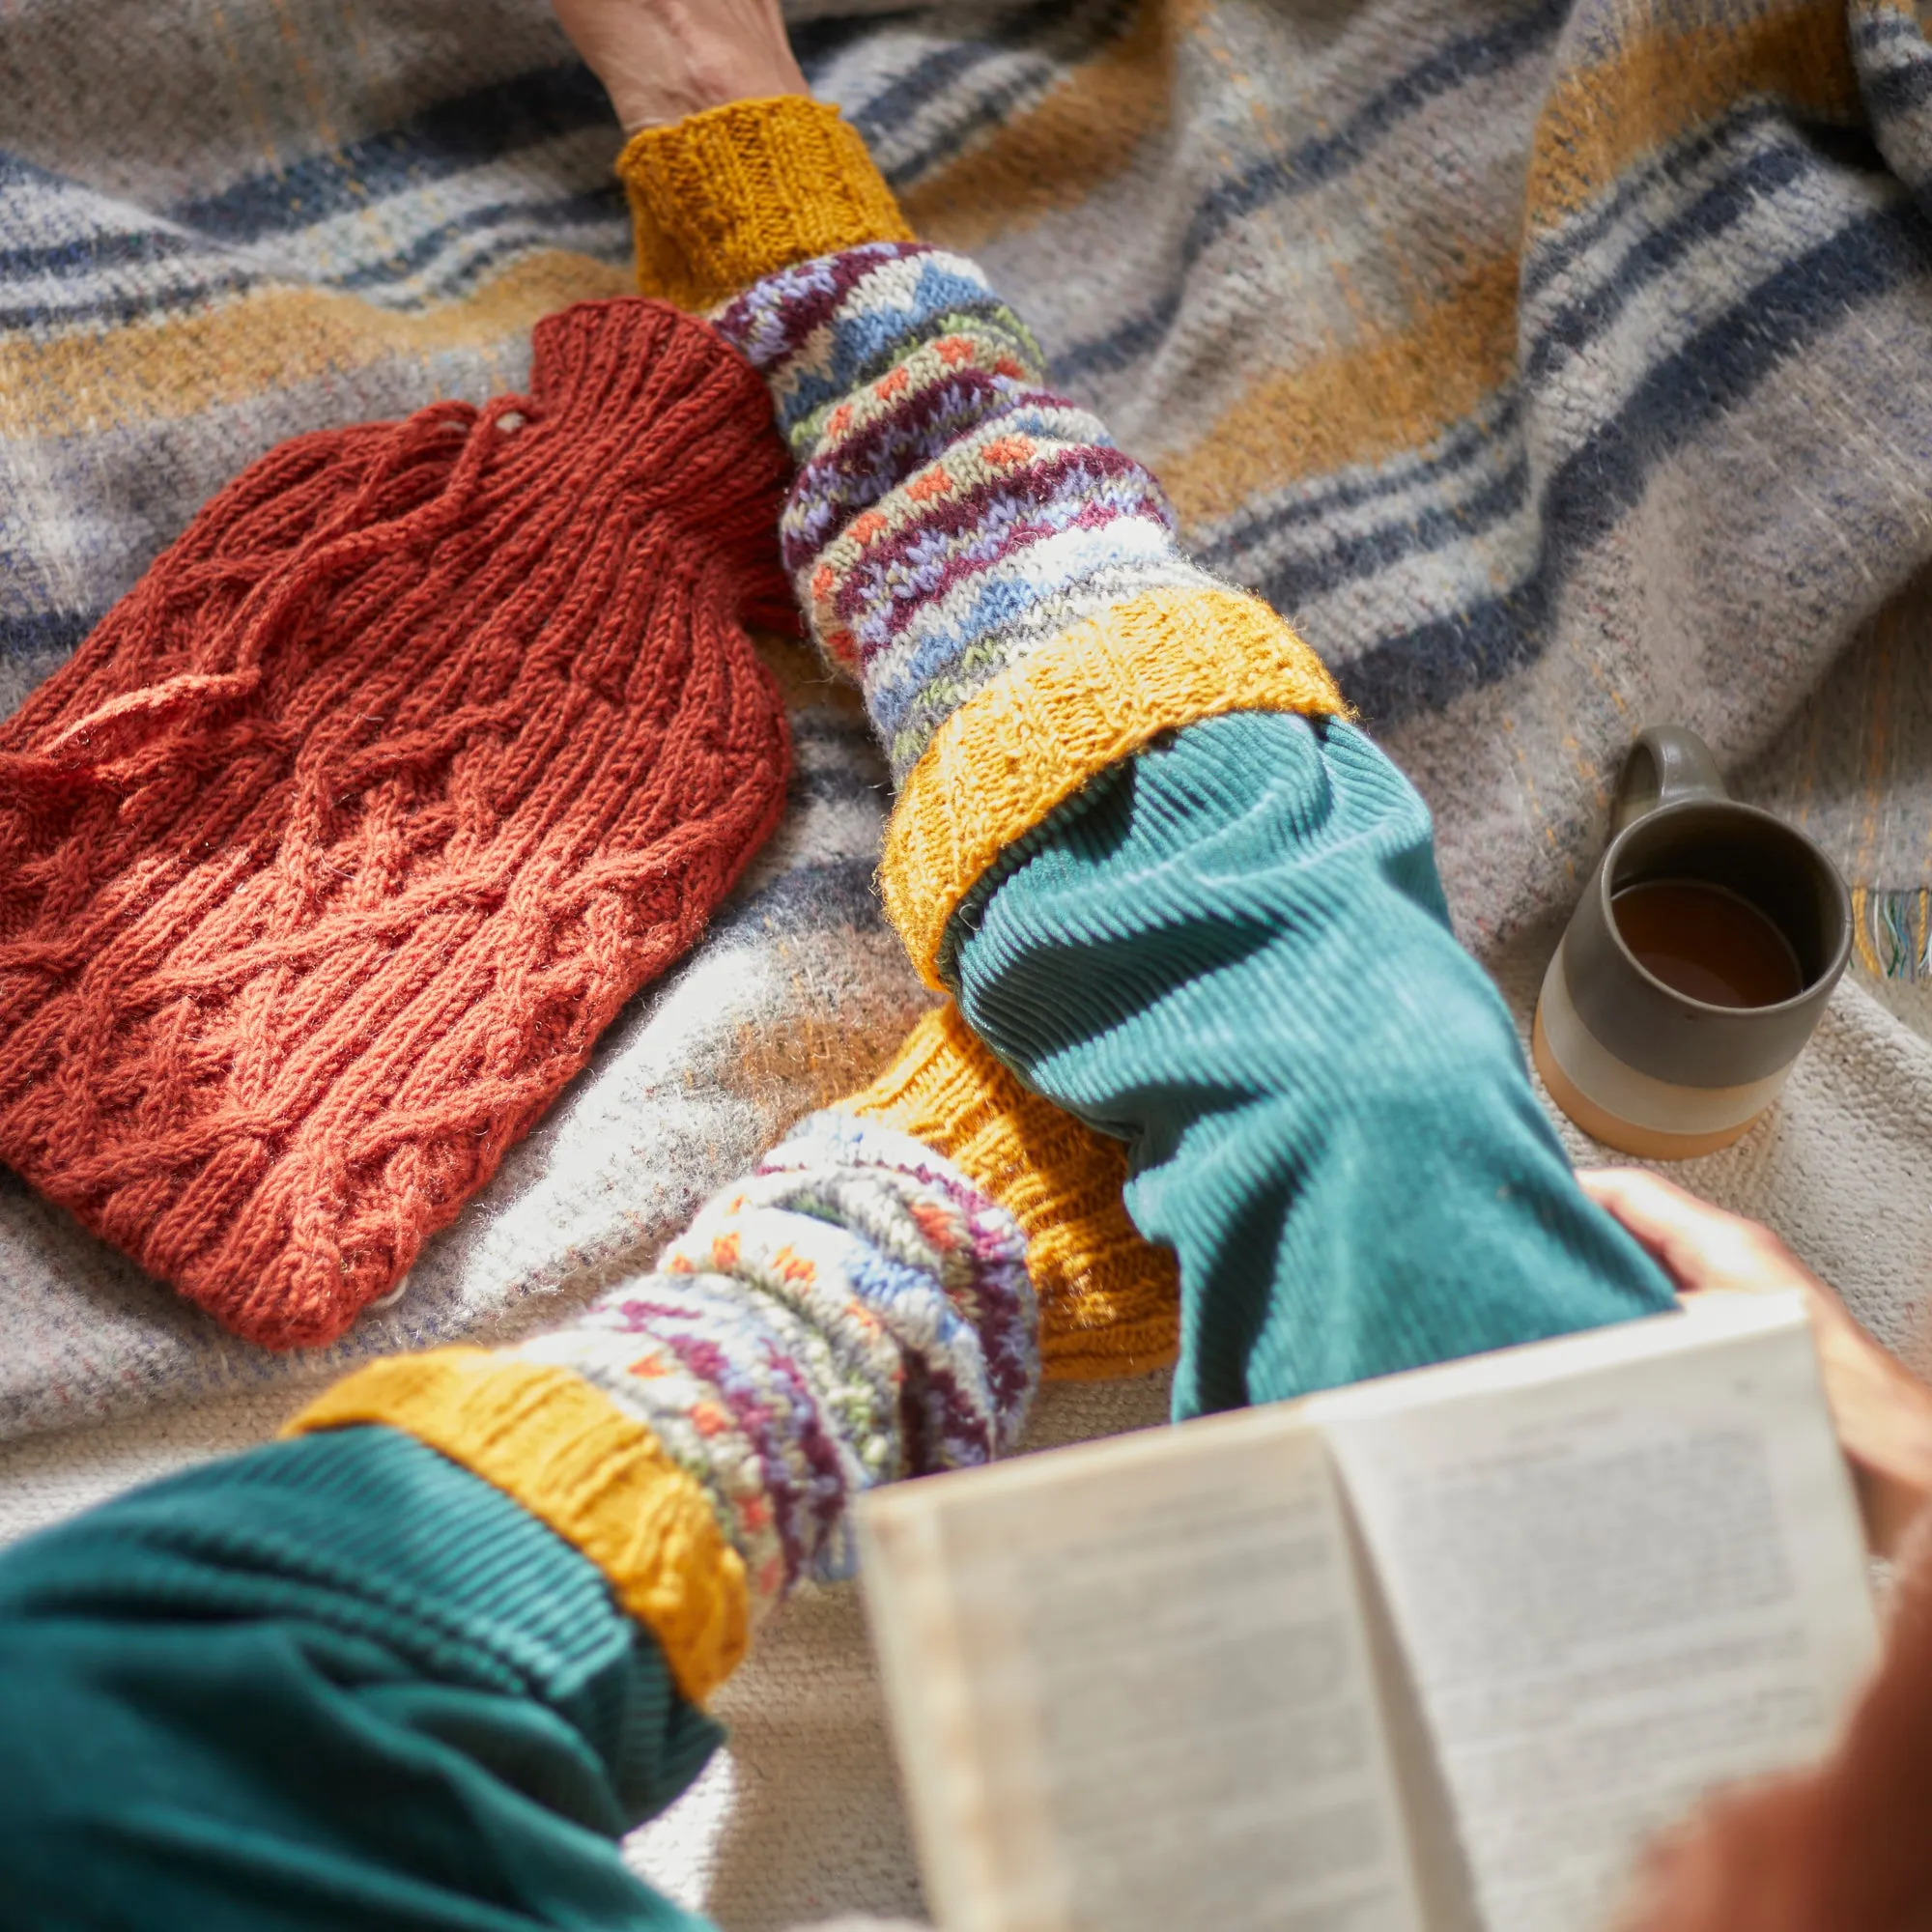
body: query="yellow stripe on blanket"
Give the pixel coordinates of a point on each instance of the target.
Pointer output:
(1385, 393)
(1664, 85)
(264, 340)
(1053, 155)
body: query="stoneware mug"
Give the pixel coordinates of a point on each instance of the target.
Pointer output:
(1707, 942)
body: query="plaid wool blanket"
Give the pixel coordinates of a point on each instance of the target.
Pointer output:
(1556, 365)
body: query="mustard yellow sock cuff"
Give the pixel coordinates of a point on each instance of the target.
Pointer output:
(1023, 743)
(721, 198)
(578, 1462)
(1109, 1301)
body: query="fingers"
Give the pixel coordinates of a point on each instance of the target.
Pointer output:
(1698, 1245)
(1882, 1413)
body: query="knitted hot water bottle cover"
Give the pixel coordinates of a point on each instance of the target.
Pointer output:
(325, 862)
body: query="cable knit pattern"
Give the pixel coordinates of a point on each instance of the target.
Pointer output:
(331, 852)
(853, 1312)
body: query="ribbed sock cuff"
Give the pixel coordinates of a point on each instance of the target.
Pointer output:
(1020, 748)
(578, 1462)
(722, 199)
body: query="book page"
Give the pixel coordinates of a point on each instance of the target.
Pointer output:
(1131, 1693)
(1624, 1568)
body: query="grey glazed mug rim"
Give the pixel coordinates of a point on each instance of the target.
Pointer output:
(1824, 981)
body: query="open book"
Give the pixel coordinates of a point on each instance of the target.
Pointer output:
(1434, 1654)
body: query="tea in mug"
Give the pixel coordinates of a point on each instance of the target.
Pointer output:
(1707, 942)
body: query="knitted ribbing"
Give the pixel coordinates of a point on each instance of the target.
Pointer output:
(853, 1312)
(578, 1462)
(325, 859)
(720, 198)
(1095, 695)
(1109, 1300)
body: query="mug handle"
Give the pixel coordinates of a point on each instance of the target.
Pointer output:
(1666, 764)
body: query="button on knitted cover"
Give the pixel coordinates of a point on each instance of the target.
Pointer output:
(325, 862)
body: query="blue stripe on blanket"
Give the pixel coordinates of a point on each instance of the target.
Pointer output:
(1472, 57)
(125, 305)
(1898, 90)
(1058, 34)
(49, 634)
(802, 902)
(1245, 545)
(1662, 247)
(933, 75)
(1545, 259)
(1364, 554)
(471, 131)
(220, 271)
(1315, 163)
(1603, 478)
(1245, 536)
(1474, 644)
(1121, 347)
(1725, 361)
(598, 204)
(1065, 37)
(1874, 30)
(111, 248)
(1426, 667)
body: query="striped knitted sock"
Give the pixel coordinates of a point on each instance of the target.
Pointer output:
(853, 1311)
(1002, 584)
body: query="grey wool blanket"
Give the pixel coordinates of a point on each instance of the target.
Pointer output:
(1559, 366)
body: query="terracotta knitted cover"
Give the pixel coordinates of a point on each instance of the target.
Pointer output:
(327, 858)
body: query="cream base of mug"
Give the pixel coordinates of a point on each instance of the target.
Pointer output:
(1630, 1111)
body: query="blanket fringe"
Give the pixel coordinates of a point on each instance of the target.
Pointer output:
(1892, 928)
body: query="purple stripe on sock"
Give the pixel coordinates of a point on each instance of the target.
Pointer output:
(985, 513)
(768, 1430)
(831, 490)
(808, 300)
(880, 599)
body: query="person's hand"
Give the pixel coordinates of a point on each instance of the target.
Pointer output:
(1883, 1411)
(660, 59)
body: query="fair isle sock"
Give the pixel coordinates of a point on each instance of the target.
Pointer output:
(951, 516)
(853, 1312)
